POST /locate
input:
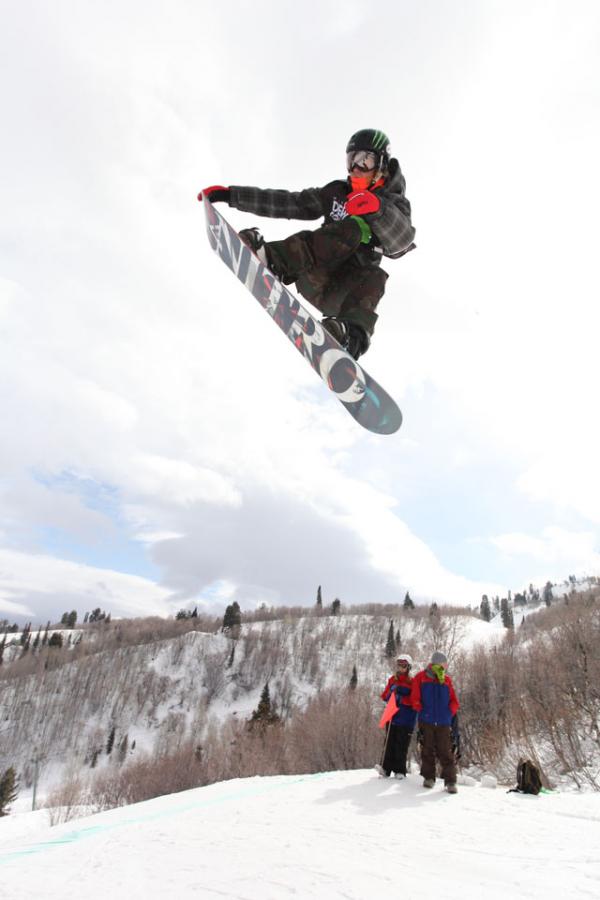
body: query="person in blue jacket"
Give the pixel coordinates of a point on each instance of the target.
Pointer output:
(434, 698)
(401, 727)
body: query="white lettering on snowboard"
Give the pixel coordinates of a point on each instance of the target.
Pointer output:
(222, 234)
(311, 341)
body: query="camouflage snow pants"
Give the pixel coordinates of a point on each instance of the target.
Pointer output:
(326, 273)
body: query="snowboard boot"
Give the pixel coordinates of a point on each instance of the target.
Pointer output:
(428, 782)
(254, 239)
(381, 771)
(349, 335)
(451, 787)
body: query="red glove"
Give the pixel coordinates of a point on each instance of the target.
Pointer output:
(360, 203)
(216, 193)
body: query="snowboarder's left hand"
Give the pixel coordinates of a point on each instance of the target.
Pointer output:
(216, 193)
(361, 203)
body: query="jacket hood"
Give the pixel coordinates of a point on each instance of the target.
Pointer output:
(395, 181)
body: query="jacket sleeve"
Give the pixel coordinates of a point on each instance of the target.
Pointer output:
(453, 702)
(385, 695)
(415, 694)
(392, 225)
(277, 204)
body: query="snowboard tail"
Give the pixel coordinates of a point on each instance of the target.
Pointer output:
(360, 394)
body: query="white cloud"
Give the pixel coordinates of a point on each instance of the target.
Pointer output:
(39, 585)
(132, 360)
(556, 552)
(566, 472)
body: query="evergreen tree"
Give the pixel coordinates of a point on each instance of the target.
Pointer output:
(548, 595)
(111, 741)
(72, 619)
(232, 617)
(194, 613)
(319, 603)
(408, 603)
(264, 714)
(56, 641)
(434, 609)
(2, 646)
(45, 638)
(390, 644)
(26, 639)
(9, 788)
(335, 607)
(484, 610)
(353, 679)
(97, 615)
(506, 614)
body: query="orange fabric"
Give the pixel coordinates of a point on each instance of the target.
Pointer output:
(390, 711)
(363, 183)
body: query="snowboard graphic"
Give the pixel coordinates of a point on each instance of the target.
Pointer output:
(364, 399)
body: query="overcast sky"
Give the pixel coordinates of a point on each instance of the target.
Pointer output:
(162, 445)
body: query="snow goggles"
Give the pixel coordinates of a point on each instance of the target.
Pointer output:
(366, 160)
(402, 664)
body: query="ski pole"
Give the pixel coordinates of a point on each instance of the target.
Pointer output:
(387, 737)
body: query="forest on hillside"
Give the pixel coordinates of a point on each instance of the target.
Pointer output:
(134, 708)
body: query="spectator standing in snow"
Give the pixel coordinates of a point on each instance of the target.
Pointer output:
(434, 698)
(401, 727)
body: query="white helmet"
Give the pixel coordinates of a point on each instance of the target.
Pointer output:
(404, 657)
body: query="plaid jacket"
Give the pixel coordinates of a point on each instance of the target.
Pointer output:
(391, 224)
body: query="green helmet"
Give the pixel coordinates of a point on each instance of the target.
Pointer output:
(370, 139)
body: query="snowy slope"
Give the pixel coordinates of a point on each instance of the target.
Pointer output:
(158, 693)
(344, 835)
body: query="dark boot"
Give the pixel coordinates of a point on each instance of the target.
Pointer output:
(254, 239)
(351, 336)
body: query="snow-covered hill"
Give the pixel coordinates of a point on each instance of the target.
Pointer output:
(128, 693)
(340, 835)
(154, 695)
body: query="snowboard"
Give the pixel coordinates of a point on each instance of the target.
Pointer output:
(360, 394)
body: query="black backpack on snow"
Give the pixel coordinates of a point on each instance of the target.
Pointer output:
(529, 780)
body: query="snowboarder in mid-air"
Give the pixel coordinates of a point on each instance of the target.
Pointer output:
(337, 267)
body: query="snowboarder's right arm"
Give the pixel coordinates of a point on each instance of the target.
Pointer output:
(277, 204)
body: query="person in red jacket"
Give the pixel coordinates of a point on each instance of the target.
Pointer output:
(400, 729)
(434, 698)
